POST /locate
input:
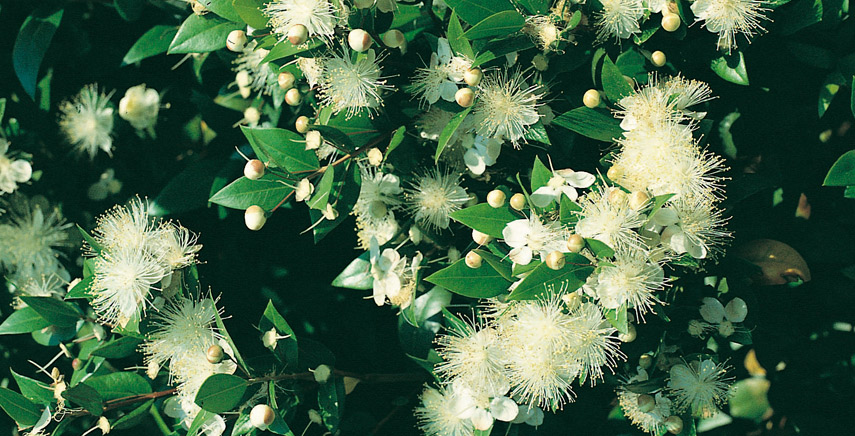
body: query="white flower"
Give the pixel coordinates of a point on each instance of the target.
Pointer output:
(87, 121)
(652, 422)
(630, 279)
(440, 78)
(43, 286)
(12, 171)
(505, 106)
(438, 415)
(662, 101)
(610, 220)
(317, 15)
(378, 194)
(474, 357)
(697, 229)
(543, 30)
(33, 238)
(481, 408)
(382, 229)
(593, 341)
(252, 75)
(531, 236)
(431, 122)
(562, 182)
(729, 18)
(128, 226)
(352, 86)
(699, 386)
(312, 70)
(140, 106)
(531, 415)
(434, 196)
(123, 278)
(724, 317)
(619, 18)
(387, 269)
(481, 152)
(181, 329)
(176, 246)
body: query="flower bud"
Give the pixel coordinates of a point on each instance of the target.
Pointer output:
(645, 361)
(76, 364)
(293, 97)
(614, 172)
(103, 425)
(481, 238)
(591, 99)
(298, 34)
(236, 40)
(244, 91)
(674, 424)
(254, 217)
(453, 254)
(322, 373)
(302, 124)
(646, 403)
(359, 40)
(243, 79)
(658, 58)
(315, 417)
(540, 62)
(518, 201)
(314, 140)
(254, 169)
(496, 198)
(671, 22)
(630, 335)
(473, 76)
(375, 157)
(261, 416)
(638, 200)
(394, 38)
(616, 195)
(152, 370)
(304, 190)
(251, 115)
(555, 260)
(99, 332)
(199, 8)
(215, 354)
(464, 97)
(473, 260)
(575, 243)
(285, 80)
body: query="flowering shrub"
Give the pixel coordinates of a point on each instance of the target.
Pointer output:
(570, 216)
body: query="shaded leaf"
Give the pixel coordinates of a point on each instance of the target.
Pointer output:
(591, 123)
(202, 33)
(31, 45)
(731, 68)
(500, 23)
(221, 393)
(540, 280)
(24, 320)
(19, 408)
(356, 275)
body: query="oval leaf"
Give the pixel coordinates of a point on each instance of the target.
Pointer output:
(483, 282)
(590, 123)
(539, 280)
(485, 218)
(19, 408)
(501, 23)
(266, 193)
(202, 33)
(731, 68)
(24, 320)
(221, 393)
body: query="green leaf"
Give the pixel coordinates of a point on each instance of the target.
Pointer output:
(117, 348)
(456, 39)
(448, 131)
(842, 173)
(500, 47)
(537, 132)
(93, 244)
(537, 7)
(356, 275)
(851, 97)
(346, 191)
(286, 349)
(485, 218)
(266, 193)
(540, 280)
(617, 318)
(282, 148)
(500, 23)
(188, 190)
(129, 10)
(501, 267)
(320, 198)
(202, 33)
(58, 312)
(599, 248)
(614, 85)
(223, 8)
(540, 175)
(335, 136)
(284, 49)
(81, 289)
(331, 402)
(199, 421)
(24, 320)
(34, 390)
(221, 327)
(118, 385)
(474, 11)
(483, 282)
(86, 396)
(568, 208)
(797, 15)
(132, 418)
(590, 123)
(221, 393)
(19, 408)
(250, 12)
(731, 68)
(31, 45)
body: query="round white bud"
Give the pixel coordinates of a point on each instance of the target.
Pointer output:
(359, 40)
(252, 115)
(674, 424)
(298, 34)
(614, 172)
(591, 99)
(473, 260)
(245, 91)
(315, 417)
(254, 217)
(375, 157)
(464, 97)
(555, 260)
(236, 40)
(314, 140)
(285, 80)
(496, 198)
(616, 195)
(152, 370)
(302, 124)
(394, 38)
(646, 403)
(261, 416)
(638, 200)
(575, 243)
(518, 201)
(293, 97)
(215, 354)
(254, 169)
(658, 58)
(670, 22)
(322, 373)
(473, 76)
(243, 79)
(630, 335)
(481, 238)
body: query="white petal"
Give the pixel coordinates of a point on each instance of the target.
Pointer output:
(678, 240)
(481, 419)
(696, 248)
(736, 310)
(535, 417)
(712, 311)
(665, 217)
(543, 196)
(474, 161)
(504, 409)
(443, 51)
(21, 171)
(570, 192)
(516, 232)
(580, 179)
(447, 91)
(521, 255)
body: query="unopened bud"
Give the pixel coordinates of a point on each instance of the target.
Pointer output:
(646, 403)
(215, 354)
(359, 40)
(254, 169)
(518, 201)
(302, 124)
(314, 140)
(614, 172)
(591, 99)
(575, 243)
(304, 190)
(322, 373)
(236, 40)
(76, 364)
(55, 374)
(285, 80)
(375, 157)
(464, 97)
(645, 361)
(293, 97)
(298, 34)
(674, 424)
(394, 38)
(199, 8)
(315, 417)
(658, 58)
(152, 370)
(630, 335)
(481, 238)
(670, 22)
(638, 200)
(616, 195)
(245, 91)
(251, 115)
(261, 416)
(103, 425)
(254, 217)
(496, 198)
(555, 260)
(473, 260)
(473, 76)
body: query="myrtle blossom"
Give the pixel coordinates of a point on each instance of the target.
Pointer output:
(439, 79)
(729, 18)
(87, 121)
(140, 107)
(722, 317)
(319, 17)
(562, 182)
(534, 235)
(699, 386)
(506, 106)
(12, 170)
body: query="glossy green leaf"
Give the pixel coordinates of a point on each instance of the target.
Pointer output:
(542, 280)
(500, 47)
(448, 131)
(475, 11)
(485, 218)
(266, 193)
(117, 348)
(499, 264)
(221, 393)
(537, 133)
(286, 348)
(357, 274)
(331, 402)
(614, 84)
(250, 12)
(24, 320)
(81, 289)
(119, 385)
(852, 97)
(731, 68)
(223, 8)
(397, 138)
(285, 49)
(199, 421)
(58, 312)
(842, 173)
(19, 408)
(134, 417)
(568, 211)
(538, 7)
(320, 198)
(591, 123)
(335, 136)
(540, 175)
(202, 33)
(344, 195)
(617, 318)
(30, 47)
(221, 327)
(456, 39)
(34, 390)
(85, 396)
(600, 249)
(281, 148)
(498, 24)
(483, 282)
(797, 15)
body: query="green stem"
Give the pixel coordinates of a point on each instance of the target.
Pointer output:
(161, 424)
